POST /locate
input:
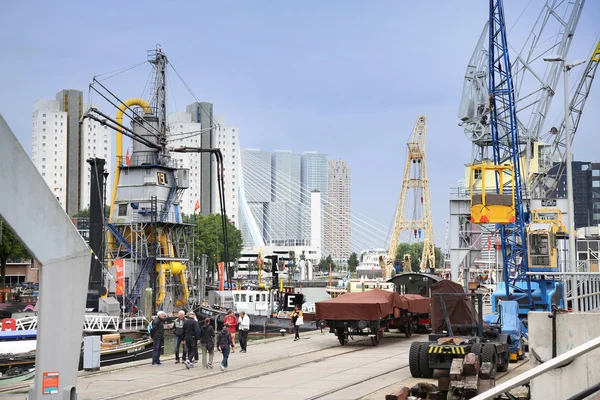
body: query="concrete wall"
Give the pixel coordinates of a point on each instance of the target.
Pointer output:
(572, 330)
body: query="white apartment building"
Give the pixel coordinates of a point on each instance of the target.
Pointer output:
(338, 227)
(96, 142)
(184, 132)
(49, 146)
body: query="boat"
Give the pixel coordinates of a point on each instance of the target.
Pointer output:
(265, 313)
(116, 349)
(370, 267)
(16, 374)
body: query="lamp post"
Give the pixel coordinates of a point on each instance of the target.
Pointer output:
(572, 257)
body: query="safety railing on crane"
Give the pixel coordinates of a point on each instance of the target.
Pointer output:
(581, 289)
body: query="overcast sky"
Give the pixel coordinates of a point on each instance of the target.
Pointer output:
(346, 78)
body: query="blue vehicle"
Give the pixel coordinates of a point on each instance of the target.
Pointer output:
(507, 319)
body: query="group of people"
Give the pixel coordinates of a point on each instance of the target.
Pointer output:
(188, 333)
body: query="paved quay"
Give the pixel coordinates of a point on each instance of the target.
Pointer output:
(315, 367)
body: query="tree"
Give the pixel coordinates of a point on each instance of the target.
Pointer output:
(10, 247)
(323, 266)
(209, 238)
(330, 262)
(353, 262)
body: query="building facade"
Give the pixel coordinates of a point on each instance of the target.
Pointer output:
(49, 146)
(314, 170)
(337, 226)
(96, 142)
(71, 102)
(586, 192)
(256, 188)
(185, 132)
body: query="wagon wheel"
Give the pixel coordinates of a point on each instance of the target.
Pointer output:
(374, 341)
(408, 330)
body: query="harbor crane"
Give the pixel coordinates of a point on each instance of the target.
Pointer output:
(419, 221)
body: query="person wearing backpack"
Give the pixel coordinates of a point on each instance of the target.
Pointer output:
(157, 333)
(207, 342)
(225, 342)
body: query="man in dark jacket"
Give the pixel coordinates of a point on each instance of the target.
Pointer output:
(207, 342)
(225, 344)
(157, 333)
(178, 331)
(191, 333)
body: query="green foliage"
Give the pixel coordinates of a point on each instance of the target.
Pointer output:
(353, 262)
(85, 212)
(10, 247)
(209, 238)
(416, 251)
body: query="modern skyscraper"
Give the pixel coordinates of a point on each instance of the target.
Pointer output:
(71, 102)
(314, 174)
(283, 212)
(337, 212)
(256, 168)
(49, 146)
(186, 132)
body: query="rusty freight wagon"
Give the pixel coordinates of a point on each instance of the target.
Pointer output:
(370, 314)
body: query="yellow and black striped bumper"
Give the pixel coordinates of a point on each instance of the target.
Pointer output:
(446, 350)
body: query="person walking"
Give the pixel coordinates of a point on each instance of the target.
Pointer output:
(231, 322)
(179, 339)
(207, 343)
(190, 335)
(297, 321)
(157, 333)
(225, 342)
(244, 329)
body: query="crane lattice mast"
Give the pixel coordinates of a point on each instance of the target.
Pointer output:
(418, 222)
(506, 149)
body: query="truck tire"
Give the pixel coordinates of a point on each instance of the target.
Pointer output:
(489, 354)
(408, 330)
(426, 371)
(476, 349)
(341, 334)
(413, 359)
(505, 357)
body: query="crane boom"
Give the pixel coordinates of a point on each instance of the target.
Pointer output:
(543, 184)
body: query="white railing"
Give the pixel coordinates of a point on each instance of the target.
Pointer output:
(539, 370)
(100, 323)
(94, 323)
(582, 289)
(26, 323)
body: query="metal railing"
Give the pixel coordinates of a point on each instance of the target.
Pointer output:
(134, 323)
(100, 323)
(93, 323)
(541, 369)
(26, 323)
(582, 289)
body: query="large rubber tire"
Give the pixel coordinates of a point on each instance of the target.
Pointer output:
(489, 354)
(413, 359)
(476, 349)
(426, 371)
(505, 361)
(342, 336)
(374, 341)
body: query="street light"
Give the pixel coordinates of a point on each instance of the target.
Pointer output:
(571, 199)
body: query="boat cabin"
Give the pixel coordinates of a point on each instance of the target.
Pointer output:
(253, 302)
(414, 283)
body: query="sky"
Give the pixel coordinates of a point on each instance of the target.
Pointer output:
(345, 78)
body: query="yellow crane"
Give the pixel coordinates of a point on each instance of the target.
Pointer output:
(419, 223)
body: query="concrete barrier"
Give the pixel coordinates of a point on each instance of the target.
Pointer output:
(572, 330)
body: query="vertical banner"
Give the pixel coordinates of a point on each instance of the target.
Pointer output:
(221, 277)
(119, 276)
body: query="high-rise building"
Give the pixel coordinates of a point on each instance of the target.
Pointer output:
(313, 177)
(71, 102)
(586, 191)
(256, 168)
(337, 212)
(96, 142)
(314, 174)
(185, 132)
(202, 113)
(61, 147)
(49, 146)
(283, 212)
